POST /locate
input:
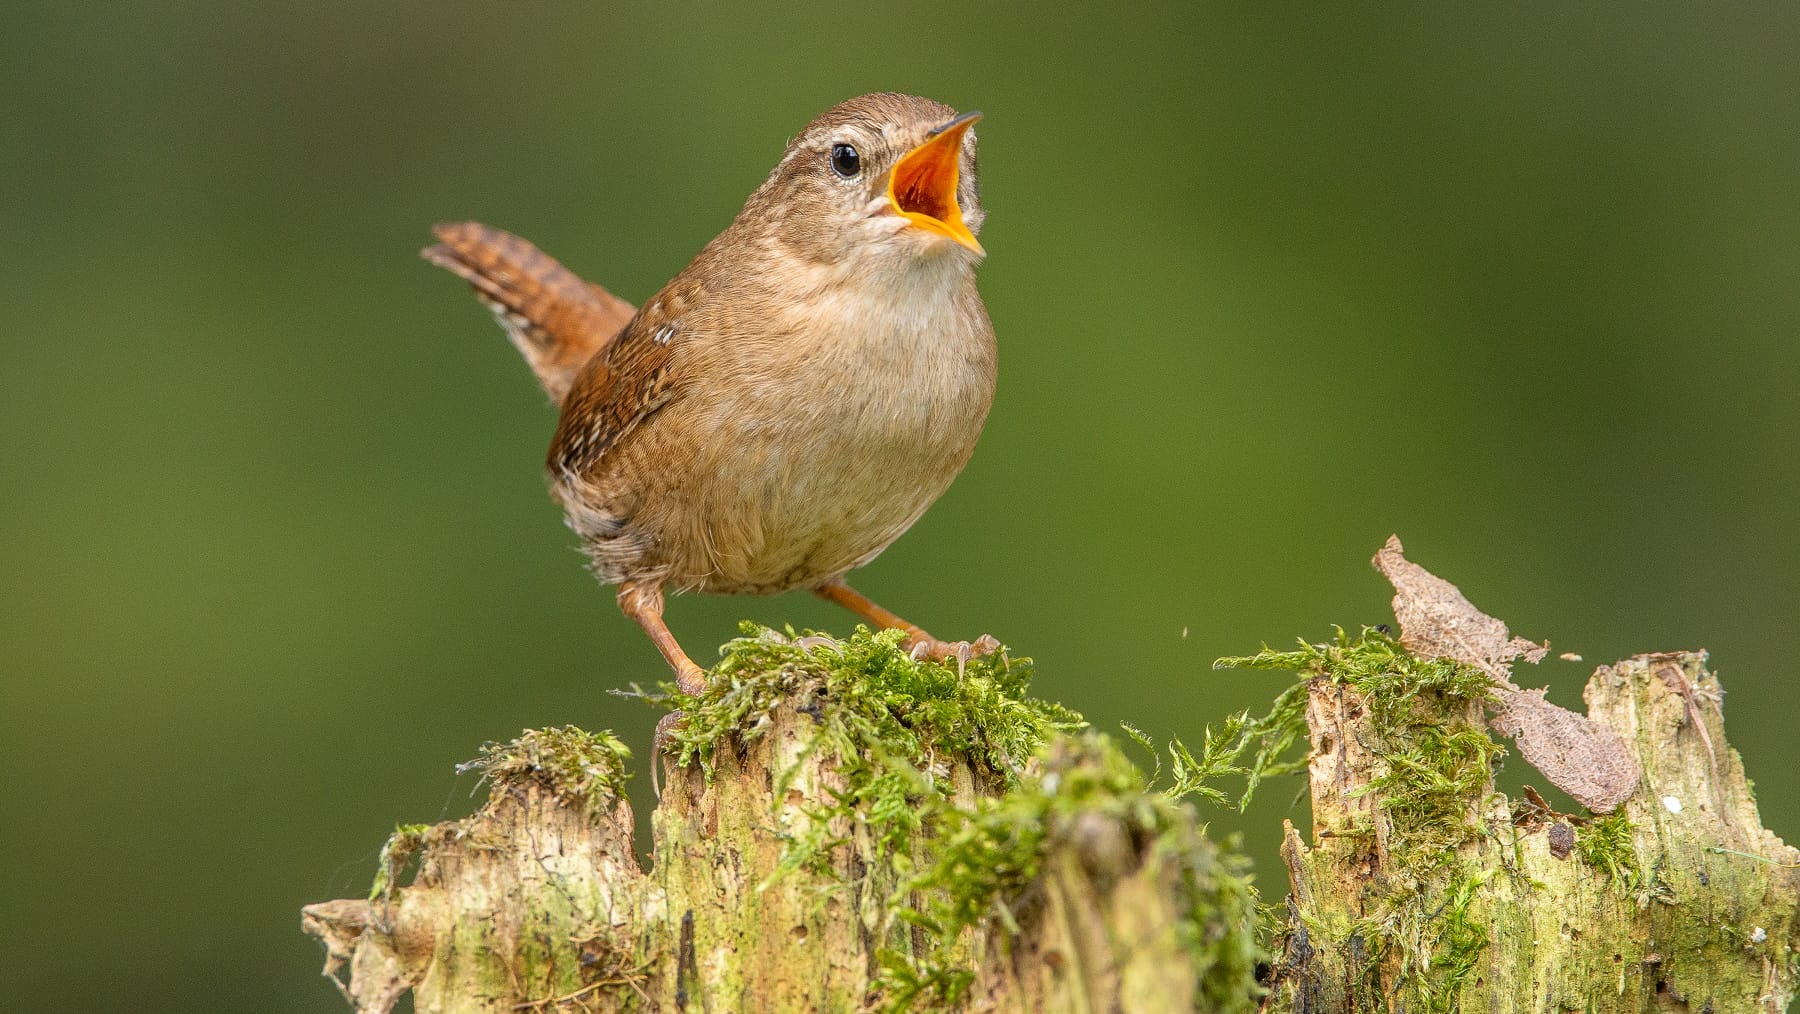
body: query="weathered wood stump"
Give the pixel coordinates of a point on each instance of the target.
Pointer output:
(845, 828)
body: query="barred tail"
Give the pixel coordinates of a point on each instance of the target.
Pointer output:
(556, 320)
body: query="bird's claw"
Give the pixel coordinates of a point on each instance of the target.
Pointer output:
(961, 651)
(690, 679)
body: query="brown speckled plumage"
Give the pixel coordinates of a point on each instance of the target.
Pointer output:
(794, 399)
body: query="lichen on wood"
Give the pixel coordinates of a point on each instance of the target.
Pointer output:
(846, 828)
(1424, 888)
(842, 828)
(1680, 897)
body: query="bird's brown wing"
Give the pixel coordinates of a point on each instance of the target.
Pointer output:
(626, 383)
(556, 320)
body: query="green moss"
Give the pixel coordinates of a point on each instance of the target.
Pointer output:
(569, 761)
(1606, 845)
(894, 726)
(893, 722)
(991, 852)
(1374, 664)
(980, 710)
(397, 852)
(1438, 755)
(1441, 936)
(986, 854)
(1437, 760)
(1272, 736)
(1434, 780)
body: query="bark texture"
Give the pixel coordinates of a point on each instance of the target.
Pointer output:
(1681, 901)
(1074, 888)
(844, 828)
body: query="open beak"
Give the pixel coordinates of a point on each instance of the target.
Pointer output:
(922, 186)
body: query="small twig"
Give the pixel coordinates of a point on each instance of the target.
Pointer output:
(626, 979)
(566, 997)
(1722, 851)
(1677, 681)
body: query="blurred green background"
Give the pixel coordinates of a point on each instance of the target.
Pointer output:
(1520, 284)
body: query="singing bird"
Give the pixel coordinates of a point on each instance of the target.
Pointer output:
(795, 398)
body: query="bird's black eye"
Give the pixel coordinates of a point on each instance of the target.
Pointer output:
(845, 161)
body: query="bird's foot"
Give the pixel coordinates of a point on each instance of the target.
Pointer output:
(690, 679)
(962, 651)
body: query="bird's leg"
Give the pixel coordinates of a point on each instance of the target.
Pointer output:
(643, 602)
(921, 643)
(836, 590)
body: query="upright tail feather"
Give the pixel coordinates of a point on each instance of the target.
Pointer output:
(556, 320)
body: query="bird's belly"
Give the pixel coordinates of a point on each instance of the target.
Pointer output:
(838, 519)
(785, 499)
(796, 505)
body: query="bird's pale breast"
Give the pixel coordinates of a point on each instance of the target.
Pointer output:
(832, 425)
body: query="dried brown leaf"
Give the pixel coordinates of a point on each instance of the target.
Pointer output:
(1583, 758)
(1587, 760)
(1436, 621)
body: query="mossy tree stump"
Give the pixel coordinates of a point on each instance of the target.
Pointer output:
(843, 828)
(1464, 900)
(1426, 890)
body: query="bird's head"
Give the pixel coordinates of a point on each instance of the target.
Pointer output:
(883, 177)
